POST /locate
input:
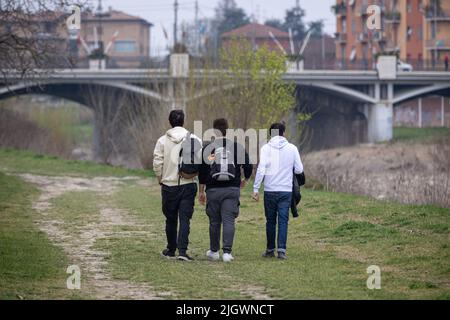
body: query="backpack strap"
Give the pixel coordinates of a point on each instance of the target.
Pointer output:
(180, 156)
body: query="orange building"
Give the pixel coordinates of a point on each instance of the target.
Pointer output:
(403, 22)
(417, 30)
(402, 32)
(436, 31)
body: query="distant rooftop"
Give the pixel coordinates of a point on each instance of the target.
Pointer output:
(112, 15)
(255, 30)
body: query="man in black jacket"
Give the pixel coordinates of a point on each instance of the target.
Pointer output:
(221, 174)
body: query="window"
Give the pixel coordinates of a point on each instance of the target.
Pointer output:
(344, 25)
(353, 26)
(409, 33)
(420, 33)
(433, 31)
(408, 6)
(125, 46)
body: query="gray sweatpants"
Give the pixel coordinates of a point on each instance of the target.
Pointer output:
(222, 207)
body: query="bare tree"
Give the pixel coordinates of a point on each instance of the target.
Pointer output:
(34, 36)
(145, 119)
(108, 105)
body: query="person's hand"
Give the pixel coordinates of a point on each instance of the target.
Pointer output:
(255, 196)
(202, 198)
(159, 180)
(243, 183)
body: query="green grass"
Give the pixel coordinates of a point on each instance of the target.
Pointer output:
(419, 134)
(330, 247)
(337, 237)
(30, 266)
(28, 162)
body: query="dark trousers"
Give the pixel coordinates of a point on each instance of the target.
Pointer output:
(222, 208)
(276, 206)
(178, 205)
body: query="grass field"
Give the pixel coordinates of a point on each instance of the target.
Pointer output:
(28, 162)
(330, 247)
(419, 134)
(30, 266)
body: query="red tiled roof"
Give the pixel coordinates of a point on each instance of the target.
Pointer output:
(255, 30)
(112, 15)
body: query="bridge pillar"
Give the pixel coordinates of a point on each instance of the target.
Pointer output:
(176, 91)
(380, 122)
(179, 70)
(381, 114)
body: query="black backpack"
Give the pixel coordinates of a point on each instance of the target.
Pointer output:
(222, 164)
(190, 158)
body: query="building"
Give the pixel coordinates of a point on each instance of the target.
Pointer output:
(126, 38)
(316, 54)
(418, 31)
(436, 31)
(258, 35)
(403, 28)
(354, 48)
(40, 37)
(401, 33)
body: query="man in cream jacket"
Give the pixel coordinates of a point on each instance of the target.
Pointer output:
(178, 194)
(279, 160)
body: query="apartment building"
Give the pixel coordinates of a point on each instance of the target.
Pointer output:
(436, 30)
(356, 46)
(403, 27)
(417, 30)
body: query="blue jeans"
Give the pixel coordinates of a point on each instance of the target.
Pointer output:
(276, 205)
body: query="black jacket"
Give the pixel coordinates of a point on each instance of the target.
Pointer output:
(298, 181)
(241, 160)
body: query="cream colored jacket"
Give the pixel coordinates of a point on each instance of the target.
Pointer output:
(166, 157)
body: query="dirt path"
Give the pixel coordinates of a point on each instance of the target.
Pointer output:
(79, 246)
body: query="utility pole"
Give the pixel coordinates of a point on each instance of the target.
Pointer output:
(175, 24)
(100, 49)
(197, 29)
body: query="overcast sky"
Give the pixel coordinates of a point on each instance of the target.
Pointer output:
(160, 13)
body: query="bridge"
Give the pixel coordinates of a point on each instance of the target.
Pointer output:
(373, 96)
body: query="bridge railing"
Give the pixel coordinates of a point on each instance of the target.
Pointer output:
(310, 63)
(317, 63)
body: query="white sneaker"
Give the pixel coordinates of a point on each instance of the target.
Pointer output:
(227, 257)
(212, 256)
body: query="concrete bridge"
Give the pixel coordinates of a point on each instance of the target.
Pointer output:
(374, 96)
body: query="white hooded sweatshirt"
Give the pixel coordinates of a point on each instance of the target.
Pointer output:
(166, 157)
(279, 159)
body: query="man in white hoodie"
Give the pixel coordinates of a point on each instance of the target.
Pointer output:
(279, 160)
(178, 193)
